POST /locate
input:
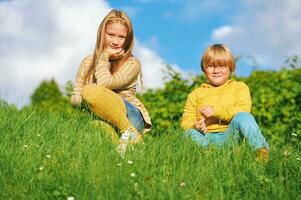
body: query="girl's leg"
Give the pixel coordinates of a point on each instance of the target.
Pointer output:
(244, 123)
(108, 105)
(134, 116)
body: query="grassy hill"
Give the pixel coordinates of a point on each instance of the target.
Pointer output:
(56, 155)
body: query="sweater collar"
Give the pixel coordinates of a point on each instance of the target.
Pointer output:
(208, 85)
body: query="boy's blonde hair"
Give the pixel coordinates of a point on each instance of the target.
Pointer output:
(218, 54)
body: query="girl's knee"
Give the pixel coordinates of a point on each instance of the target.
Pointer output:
(90, 92)
(87, 92)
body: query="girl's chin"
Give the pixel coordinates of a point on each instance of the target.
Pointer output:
(116, 49)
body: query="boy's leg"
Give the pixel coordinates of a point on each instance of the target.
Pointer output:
(206, 139)
(245, 124)
(198, 137)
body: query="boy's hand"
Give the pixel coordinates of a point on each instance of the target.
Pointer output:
(200, 125)
(207, 111)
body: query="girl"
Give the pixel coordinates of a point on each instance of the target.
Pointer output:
(107, 80)
(218, 112)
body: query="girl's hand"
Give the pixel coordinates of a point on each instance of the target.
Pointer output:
(200, 125)
(115, 53)
(76, 99)
(207, 111)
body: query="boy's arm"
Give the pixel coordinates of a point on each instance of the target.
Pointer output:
(125, 76)
(189, 115)
(243, 103)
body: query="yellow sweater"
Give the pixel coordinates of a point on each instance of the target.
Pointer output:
(227, 100)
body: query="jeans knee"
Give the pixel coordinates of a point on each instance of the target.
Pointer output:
(243, 116)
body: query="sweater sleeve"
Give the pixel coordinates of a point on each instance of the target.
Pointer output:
(81, 74)
(123, 78)
(189, 115)
(242, 103)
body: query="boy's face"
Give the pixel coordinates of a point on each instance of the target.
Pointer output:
(217, 75)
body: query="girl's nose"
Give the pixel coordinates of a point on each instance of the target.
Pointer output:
(115, 42)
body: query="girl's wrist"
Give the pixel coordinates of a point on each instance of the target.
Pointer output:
(104, 56)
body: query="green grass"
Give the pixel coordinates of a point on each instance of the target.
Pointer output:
(58, 155)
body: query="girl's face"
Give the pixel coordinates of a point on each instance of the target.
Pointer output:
(115, 36)
(217, 75)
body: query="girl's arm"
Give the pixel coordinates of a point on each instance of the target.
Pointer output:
(80, 80)
(124, 77)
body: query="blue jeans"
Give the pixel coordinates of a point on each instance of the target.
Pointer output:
(134, 116)
(243, 125)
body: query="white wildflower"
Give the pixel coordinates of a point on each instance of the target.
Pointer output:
(48, 156)
(70, 198)
(286, 152)
(130, 162)
(25, 146)
(41, 168)
(294, 134)
(182, 184)
(133, 174)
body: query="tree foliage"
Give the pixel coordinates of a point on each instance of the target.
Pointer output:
(276, 97)
(48, 96)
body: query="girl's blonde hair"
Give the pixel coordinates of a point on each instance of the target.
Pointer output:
(114, 16)
(218, 54)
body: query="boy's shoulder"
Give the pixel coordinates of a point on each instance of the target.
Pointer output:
(239, 83)
(196, 91)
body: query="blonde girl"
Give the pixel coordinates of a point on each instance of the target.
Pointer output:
(107, 80)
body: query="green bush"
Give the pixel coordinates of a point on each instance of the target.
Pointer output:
(276, 97)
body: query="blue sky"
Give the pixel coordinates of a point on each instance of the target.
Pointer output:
(177, 30)
(167, 27)
(180, 30)
(48, 39)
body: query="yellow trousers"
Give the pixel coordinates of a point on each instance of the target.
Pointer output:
(107, 105)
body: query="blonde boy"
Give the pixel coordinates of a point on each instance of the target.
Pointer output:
(218, 112)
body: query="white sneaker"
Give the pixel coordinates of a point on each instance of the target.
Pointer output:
(130, 135)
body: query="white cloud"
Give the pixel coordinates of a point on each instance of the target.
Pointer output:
(221, 32)
(153, 66)
(266, 30)
(43, 40)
